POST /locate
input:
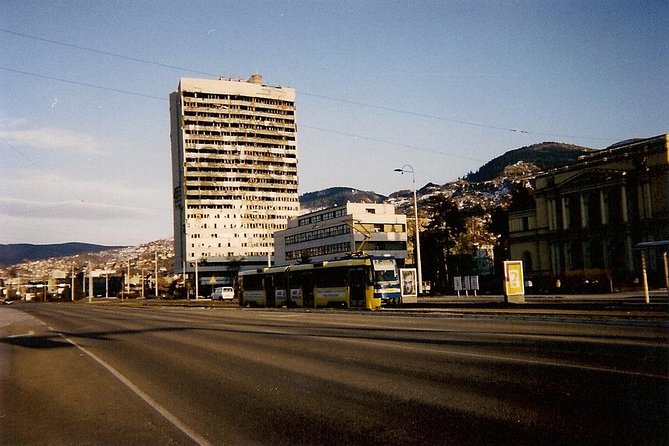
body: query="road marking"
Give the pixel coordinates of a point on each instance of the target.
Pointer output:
(25, 335)
(511, 359)
(150, 401)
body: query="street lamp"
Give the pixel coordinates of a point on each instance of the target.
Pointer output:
(259, 214)
(408, 168)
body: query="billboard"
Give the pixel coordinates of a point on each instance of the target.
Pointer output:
(514, 284)
(409, 285)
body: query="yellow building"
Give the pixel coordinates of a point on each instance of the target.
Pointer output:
(588, 216)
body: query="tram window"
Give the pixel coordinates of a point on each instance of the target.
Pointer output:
(253, 282)
(385, 275)
(331, 277)
(280, 280)
(295, 279)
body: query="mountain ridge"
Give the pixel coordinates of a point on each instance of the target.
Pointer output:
(516, 165)
(15, 253)
(545, 155)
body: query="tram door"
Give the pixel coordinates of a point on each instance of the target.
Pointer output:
(356, 283)
(308, 290)
(269, 291)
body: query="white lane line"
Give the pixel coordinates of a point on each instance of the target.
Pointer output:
(25, 335)
(511, 359)
(150, 401)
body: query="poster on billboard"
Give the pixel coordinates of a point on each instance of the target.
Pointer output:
(514, 285)
(408, 285)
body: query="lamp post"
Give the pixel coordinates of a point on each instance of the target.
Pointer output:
(197, 280)
(155, 271)
(409, 168)
(259, 214)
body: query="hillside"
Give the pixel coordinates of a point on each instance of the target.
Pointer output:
(15, 253)
(479, 193)
(545, 156)
(114, 258)
(338, 196)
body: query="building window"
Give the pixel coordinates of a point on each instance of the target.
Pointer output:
(527, 261)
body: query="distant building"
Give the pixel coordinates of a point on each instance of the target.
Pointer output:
(341, 230)
(589, 216)
(234, 173)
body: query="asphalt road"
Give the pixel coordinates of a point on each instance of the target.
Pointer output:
(100, 374)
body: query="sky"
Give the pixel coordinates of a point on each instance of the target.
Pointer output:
(441, 86)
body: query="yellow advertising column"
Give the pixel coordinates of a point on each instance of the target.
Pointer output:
(514, 283)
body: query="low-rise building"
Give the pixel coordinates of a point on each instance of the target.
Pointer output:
(588, 217)
(338, 231)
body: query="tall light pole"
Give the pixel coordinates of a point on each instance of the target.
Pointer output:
(71, 284)
(269, 252)
(197, 280)
(409, 168)
(155, 271)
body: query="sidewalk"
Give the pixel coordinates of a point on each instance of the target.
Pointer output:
(657, 297)
(629, 306)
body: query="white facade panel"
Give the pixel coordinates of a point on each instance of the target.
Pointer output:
(336, 232)
(234, 160)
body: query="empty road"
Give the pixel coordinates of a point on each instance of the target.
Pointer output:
(103, 374)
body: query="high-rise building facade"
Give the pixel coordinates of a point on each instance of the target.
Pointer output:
(234, 170)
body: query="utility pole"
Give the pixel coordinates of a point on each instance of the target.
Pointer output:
(155, 272)
(403, 169)
(197, 281)
(72, 284)
(90, 282)
(666, 271)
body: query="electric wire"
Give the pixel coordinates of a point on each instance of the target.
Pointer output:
(41, 169)
(383, 141)
(82, 84)
(305, 93)
(106, 53)
(69, 190)
(353, 135)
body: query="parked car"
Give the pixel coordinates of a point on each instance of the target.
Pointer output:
(223, 293)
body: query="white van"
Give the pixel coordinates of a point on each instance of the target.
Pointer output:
(223, 293)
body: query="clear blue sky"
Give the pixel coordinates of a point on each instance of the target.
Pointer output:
(438, 85)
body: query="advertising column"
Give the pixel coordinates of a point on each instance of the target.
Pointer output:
(514, 285)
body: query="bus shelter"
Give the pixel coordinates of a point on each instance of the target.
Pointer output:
(644, 248)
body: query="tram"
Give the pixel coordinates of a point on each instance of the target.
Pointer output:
(356, 282)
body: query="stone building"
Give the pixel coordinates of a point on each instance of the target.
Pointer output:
(588, 217)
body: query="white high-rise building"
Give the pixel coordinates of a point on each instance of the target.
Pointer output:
(234, 171)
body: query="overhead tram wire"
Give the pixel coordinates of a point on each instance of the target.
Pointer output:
(106, 53)
(115, 90)
(367, 138)
(79, 199)
(330, 98)
(82, 84)
(44, 171)
(443, 118)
